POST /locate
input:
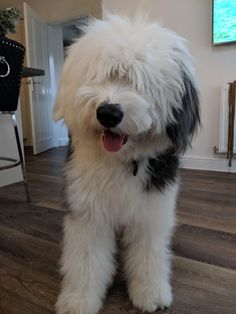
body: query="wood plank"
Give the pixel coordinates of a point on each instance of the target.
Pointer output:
(207, 174)
(39, 192)
(202, 288)
(209, 246)
(30, 219)
(207, 220)
(28, 285)
(39, 255)
(58, 205)
(204, 213)
(10, 303)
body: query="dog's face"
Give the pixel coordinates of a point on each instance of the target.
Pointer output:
(126, 83)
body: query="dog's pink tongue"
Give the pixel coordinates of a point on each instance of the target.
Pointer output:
(112, 142)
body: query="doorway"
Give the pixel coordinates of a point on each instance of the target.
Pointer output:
(38, 125)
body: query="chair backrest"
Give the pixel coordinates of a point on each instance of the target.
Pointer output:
(11, 64)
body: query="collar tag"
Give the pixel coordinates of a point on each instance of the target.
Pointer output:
(135, 167)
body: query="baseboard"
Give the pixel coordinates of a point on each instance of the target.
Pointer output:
(212, 164)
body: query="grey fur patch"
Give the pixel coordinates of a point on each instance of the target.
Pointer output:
(187, 118)
(162, 170)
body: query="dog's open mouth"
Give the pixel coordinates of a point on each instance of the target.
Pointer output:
(113, 142)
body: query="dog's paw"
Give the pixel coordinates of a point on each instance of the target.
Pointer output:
(72, 303)
(151, 299)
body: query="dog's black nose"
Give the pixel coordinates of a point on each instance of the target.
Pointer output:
(109, 115)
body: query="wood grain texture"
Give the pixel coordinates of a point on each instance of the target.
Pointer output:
(204, 244)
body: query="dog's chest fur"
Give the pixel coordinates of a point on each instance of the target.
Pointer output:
(98, 185)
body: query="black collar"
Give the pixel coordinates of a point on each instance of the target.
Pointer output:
(135, 164)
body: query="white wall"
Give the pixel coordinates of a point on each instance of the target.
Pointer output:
(215, 66)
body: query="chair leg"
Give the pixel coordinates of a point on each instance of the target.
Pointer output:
(22, 163)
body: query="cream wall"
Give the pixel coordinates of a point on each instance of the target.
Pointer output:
(10, 3)
(215, 65)
(54, 10)
(58, 10)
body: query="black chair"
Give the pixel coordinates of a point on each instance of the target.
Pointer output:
(11, 64)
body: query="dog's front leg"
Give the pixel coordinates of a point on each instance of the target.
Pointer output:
(147, 256)
(147, 269)
(87, 266)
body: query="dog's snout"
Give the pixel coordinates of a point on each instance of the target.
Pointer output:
(109, 115)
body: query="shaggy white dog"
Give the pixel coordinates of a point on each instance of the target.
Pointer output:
(128, 96)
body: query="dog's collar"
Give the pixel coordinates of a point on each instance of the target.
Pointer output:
(135, 164)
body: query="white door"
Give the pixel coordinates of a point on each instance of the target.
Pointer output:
(36, 37)
(56, 60)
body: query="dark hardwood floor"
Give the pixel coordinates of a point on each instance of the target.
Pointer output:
(204, 244)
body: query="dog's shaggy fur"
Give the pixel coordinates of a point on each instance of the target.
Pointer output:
(129, 98)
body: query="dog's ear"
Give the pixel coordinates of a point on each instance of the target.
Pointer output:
(186, 115)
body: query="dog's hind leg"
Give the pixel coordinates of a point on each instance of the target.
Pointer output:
(87, 266)
(147, 257)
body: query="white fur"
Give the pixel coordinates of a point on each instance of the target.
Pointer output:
(133, 63)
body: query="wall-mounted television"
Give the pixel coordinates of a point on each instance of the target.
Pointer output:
(224, 22)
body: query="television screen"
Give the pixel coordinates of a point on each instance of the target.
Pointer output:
(224, 21)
